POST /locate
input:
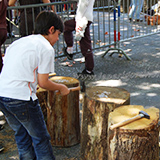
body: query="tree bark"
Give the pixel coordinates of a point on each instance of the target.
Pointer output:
(63, 121)
(99, 101)
(138, 140)
(42, 97)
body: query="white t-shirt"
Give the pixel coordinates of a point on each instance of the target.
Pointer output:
(24, 58)
(85, 9)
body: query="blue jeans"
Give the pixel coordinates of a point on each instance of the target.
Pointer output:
(136, 9)
(31, 135)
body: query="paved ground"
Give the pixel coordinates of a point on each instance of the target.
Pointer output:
(140, 76)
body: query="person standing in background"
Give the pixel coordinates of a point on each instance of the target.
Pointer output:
(30, 19)
(136, 7)
(3, 37)
(81, 24)
(9, 24)
(3, 26)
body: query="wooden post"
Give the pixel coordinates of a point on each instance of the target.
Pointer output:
(42, 97)
(99, 101)
(63, 121)
(137, 140)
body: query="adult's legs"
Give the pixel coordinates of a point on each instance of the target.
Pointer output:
(69, 27)
(86, 49)
(3, 37)
(24, 31)
(9, 24)
(133, 9)
(138, 9)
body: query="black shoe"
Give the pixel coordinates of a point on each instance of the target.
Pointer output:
(1, 127)
(85, 75)
(139, 20)
(12, 35)
(9, 35)
(1, 148)
(69, 56)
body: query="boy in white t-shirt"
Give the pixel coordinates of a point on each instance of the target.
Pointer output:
(28, 62)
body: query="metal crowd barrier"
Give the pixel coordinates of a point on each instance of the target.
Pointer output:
(110, 28)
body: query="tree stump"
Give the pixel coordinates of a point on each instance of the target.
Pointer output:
(137, 140)
(63, 121)
(99, 101)
(42, 97)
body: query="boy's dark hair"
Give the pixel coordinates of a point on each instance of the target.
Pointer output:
(45, 20)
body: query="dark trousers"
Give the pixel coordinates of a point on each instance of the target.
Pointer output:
(85, 42)
(3, 37)
(28, 17)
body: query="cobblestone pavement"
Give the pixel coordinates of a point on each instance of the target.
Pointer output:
(140, 77)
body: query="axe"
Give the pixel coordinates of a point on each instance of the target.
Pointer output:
(141, 114)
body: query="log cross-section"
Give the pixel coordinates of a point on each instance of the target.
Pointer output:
(63, 121)
(137, 140)
(99, 101)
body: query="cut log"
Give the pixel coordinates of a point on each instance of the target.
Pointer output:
(99, 101)
(42, 97)
(63, 121)
(138, 140)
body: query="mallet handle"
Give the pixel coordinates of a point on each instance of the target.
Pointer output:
(120, 124)
(71, 89)
(52, 74)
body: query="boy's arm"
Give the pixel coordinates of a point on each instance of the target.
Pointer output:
(48, 1)
(12, 2)
(45, 83)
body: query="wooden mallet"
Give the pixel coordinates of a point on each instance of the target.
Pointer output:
(141, 114)
(81, 87)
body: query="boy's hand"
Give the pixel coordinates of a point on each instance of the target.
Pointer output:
(64, 90)
(46, 83)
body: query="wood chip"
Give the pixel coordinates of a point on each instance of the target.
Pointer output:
(60, 52)
(65, 59)
(137, 30)
(67, 63)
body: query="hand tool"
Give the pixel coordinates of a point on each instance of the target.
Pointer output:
(82, 87)
(52, 74)
(141, 114)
